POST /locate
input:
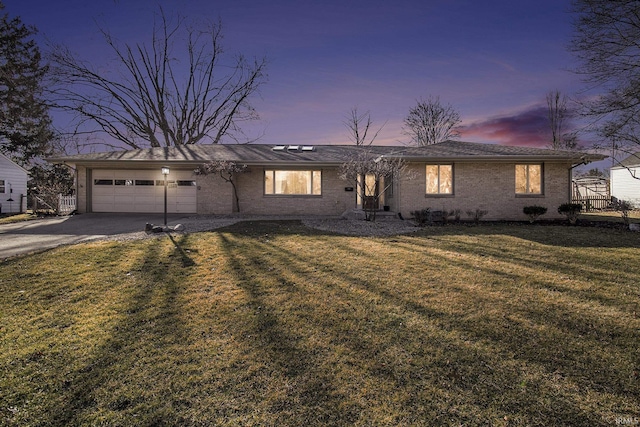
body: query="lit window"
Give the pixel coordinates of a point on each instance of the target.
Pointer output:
(439, 179)
(528, 179)
(293, 182)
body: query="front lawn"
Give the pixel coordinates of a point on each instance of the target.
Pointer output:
(274, 324)
(13, 218)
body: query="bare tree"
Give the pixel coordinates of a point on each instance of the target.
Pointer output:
(228, 171)
(156, 95)
(606, 39)
(370, 174)
(431, 122)
(359, 126)
(379, 168)
(558, 113)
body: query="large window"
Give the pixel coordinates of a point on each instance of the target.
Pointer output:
(528, 179)
(293, 182)
(439, 179)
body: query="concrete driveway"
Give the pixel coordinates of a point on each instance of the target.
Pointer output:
(30, 236)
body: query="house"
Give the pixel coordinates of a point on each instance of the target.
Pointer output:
(293, 179)
(624, 180)
(13, 186)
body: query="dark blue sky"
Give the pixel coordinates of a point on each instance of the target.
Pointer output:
(494, 61)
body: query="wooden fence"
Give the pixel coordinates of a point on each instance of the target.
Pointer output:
(592, 203)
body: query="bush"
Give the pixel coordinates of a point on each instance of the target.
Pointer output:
(422, 217)
(571, 211)
(623, 207)
(533, 212)
(476, 215)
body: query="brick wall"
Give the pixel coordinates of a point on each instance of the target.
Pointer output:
(215, 196)
(486, 186)
(333, 201)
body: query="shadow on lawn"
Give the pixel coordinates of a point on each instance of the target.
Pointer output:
(547, 234)
(150, 320)
(312, 394)
(459, 354)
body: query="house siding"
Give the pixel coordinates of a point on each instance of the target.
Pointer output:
(15, 179)
(81, 190)
(486, 186)
(624, 186)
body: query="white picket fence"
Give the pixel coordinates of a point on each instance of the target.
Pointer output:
(66, 204)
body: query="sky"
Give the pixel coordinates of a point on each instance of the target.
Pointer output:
(494, 61)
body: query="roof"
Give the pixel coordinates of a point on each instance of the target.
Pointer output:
(630, 161)
(12, 163)
(323, 154)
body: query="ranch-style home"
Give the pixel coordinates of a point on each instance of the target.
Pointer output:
(301, 180)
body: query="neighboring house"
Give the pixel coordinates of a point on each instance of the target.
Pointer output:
(625, 180)
(13, 186)
(304, 179)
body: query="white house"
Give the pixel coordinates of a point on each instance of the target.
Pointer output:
(13, 186)
(625, 180)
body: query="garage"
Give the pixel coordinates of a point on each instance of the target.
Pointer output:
(114, 190)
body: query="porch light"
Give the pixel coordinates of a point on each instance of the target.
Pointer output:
(165, 170)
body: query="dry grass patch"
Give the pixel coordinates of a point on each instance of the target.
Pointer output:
(271, 323)
(10, 219)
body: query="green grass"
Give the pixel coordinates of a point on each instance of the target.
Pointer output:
(610, 216)
(273, 324)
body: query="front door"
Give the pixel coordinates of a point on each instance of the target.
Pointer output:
(371, 188)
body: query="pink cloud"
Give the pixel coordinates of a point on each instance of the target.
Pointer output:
(529, 127)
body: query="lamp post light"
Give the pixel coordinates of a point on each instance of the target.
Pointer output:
(165, 172)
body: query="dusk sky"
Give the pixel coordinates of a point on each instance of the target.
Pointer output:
(494, 61)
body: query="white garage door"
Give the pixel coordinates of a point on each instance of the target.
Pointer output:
(143, 191)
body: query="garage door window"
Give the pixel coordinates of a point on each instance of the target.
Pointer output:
(144, 182)
(102, 182)
(124, 182)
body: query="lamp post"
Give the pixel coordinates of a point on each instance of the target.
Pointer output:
(165, 172)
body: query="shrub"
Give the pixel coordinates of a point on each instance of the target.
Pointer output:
(533, 212)
(422, 217)
(476, 215)
(623, 207)
(456, 214)
(571, 211)
(446, 215)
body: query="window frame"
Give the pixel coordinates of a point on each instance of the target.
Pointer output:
(3, 186)
(527, 193)
(273, 192)
(439, 193)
